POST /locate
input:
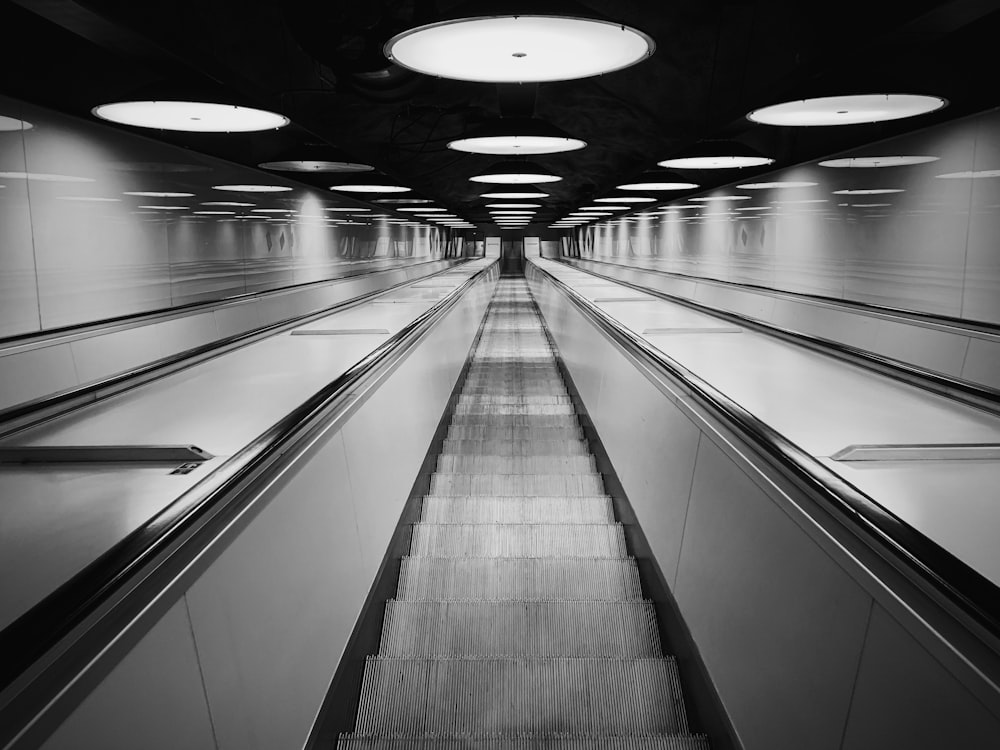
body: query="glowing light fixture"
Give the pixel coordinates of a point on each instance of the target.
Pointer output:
(626, 199)
(155, 194)
(519, 48)
(88, 198)
(515, 172)
(875, 162)
(10, 124)
(167, 208)
(709, 198)
(717, 154)
(427, 210)
(605, 208)
(781, 184)
(515, 195)
(227, 203)
(43, 177)
(195, 117)
(518, 136)
(868, 191)
(215, 213)
(253, 188)
(369, 188)
(976, 175)
(342, 209)
(513, 205)
(847, 110)
(315, 165)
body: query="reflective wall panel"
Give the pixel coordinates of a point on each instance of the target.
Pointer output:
(920, 236)
(98, 222)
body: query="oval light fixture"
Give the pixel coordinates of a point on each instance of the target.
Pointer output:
(875, 162)
(315, 165)
(626, 199)
(194, 117)
(777, 185)
(657, 180)
(853, 109)
(253, 188)
(515, 172)
(513, 136)
(519, 48)
(717, 154)
(361, 187)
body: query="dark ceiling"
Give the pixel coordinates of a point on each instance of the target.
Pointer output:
(320, 63)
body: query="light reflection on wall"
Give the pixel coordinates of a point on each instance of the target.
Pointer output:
(97, 223)
(930, 245)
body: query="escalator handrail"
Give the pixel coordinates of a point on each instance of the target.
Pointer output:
(118, 575)
(119, 380)
(953, 580)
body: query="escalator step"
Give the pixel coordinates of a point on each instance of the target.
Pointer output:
(524, 742)
(477, 463)
(610, 629)
(516, 484)
(518, 540)
(487, 509)
(522, 579)
(516, 420)
(522, 433)
(517, 448)
(520, 695)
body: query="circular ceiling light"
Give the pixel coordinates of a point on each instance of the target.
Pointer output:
(626, 199)
(195, 117)
(167, 208)
(253, 188)
(868, 191)
(513, 205)
(43, 177)
(604, 208)
(776, 185)
(847, 110)
(315, 165)
(345, 210)
(92, 199)
(215, 213)
(515, 172)
(427, 210)
(519, 49)
(517, 136)
(155, 194)
(515, 196)
(723, 198)
(717, 154)
(11, 124)
(658, 186)
(976, 175)
(874, 162)
(363, 188)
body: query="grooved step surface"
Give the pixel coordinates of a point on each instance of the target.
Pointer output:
(517, 510)
(524, 579)
(518, 540)
(492, 695)
(519, 619)
(511, 628)
(525, 742)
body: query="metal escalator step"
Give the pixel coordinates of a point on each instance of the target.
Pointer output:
(488, 509)
(471, 463)
(523, 742)
(498, 695)
(517, 448)
(516, 484)
(510, 432)
(515, 420)
(513, 399)
(518, 578)
(497, 410)
(614, 629)
(517, 540)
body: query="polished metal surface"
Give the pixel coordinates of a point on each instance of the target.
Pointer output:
(518, 618)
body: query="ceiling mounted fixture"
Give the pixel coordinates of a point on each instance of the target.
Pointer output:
(360, 187)
(723, 198)
(626, 199)
(847, 110)
(500, 47)
(513, 205)
(315, 165)
(427, 210)
(717, 154)
(659, 180)
(194, 117)
(227, 203)
(978, 174)
(868, 191)
(253, 188)
(604, 208)
(776, 185)
(157, 194)
(511, 136)
(10, 124)
(515, 195)
(874, 162)
(515, 172)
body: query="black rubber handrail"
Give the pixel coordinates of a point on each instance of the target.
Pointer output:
(122, 568)
(953, 580)
(973, 394)
(120, 380)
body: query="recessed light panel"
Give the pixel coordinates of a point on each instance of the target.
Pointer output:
(874, 162)
(519, 49)
(195, 117)
(847, 110)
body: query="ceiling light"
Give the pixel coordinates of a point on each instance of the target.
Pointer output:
(154, 194)
(626, 199)
(717, 154)
(315, 165)
(515, 172)
(870, 191)
(870, 205)
(515, 196)
(723, 198)
(658, 186)
(271, 211)
(524, 136)
(253, 188)
(847, 110)
(519, 49)
(776, 185)
(215, 213)
(167, 208)
(196, 117)
(10, 124)
(227, 203)
(604, 208)
(805, 200)
(370, 188)
(402, 200)
(977, 175)
(513, 205)
(345, 209)
(869, 162)
(43, 177)
(424, 210)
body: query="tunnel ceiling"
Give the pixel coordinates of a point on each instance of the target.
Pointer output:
(320, 63)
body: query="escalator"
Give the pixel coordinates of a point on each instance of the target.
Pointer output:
(519, 620)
